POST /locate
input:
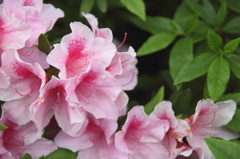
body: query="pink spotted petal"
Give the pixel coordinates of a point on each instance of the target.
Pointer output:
(12, 27)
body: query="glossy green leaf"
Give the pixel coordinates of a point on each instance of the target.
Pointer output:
(27, 156)
(156, 43)
(177, 28)
(234, 5)
(214, 41)
(234, 64)
(62, 154)
(223, 149)
(102, 4)
(204, 9)
(232, 26)
(200, 32)
(181, 101)
(222, 12)
(217, 78)
(181, 54)
(3, 127)
(234, 96)
(183, 11)
(154, 24)
(234, 124)
(231, 46)
(43, 44)
(188, 23)
(149, 107)
(86, 6)
(136, 7)
(196, 68)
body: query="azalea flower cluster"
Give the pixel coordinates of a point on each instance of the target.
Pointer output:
(154, 136)
(81, 84)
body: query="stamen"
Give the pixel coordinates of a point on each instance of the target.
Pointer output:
(124, 39)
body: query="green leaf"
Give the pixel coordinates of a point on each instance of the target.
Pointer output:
(200, 32)
(3, 127)
(232, 26)
(217, 78)
(183, 11)
(234, 63)
(62, 154)
(177, 28)
(181, 101)
(231, 46)
(234, 124)
(136, 7)
(214, 41)
(86, 6)
(102, 4)
(156, 43)
(181, 53)
(149, 107)
(223, 149)
(27, 156)
(154, 25)
(222, 12)
(43, 44)
(234, 96)
(188, 23)
(204, 9)
(196, 68)
(234, 5)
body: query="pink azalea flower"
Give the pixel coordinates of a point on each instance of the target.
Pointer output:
(53, 101)
(24, 82)
(17, 140)
(40, 17)
(14, 32)
(123, 68)
(97, 138)
(141, 137)
(179, 129)
(78, 49)
(98, 93)
(208, 121)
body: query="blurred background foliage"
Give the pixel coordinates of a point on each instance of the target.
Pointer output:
(181, 46)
